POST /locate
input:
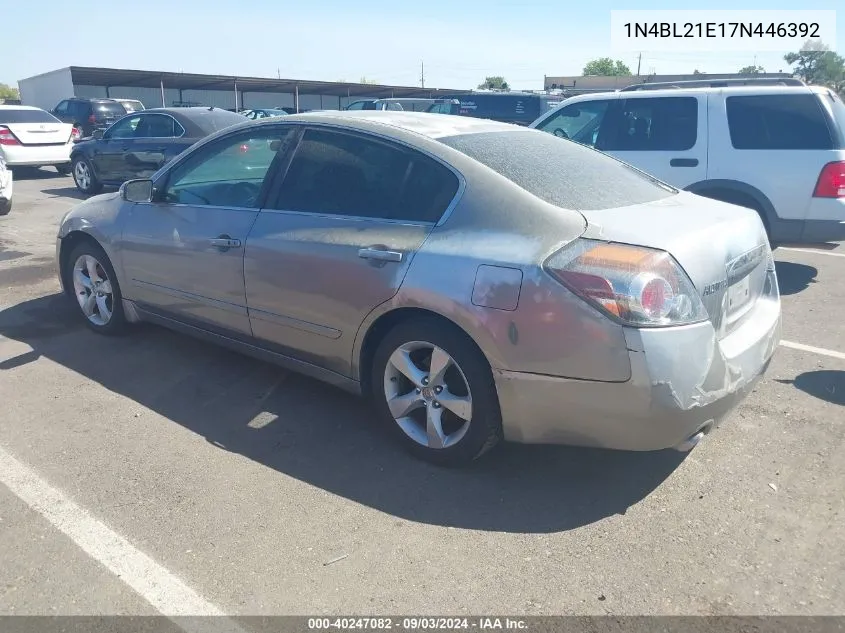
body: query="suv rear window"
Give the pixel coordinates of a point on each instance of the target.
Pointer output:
(110, 107)
(560, 172)
(26, 116)
(777, 121)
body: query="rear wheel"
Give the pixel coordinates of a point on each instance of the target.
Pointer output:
(5, 207)
(435, 392)
(83, 176)
(63, 169)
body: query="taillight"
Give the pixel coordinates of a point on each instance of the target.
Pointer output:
(637, 285)
(831, 182)
(75, 134)
(7, 138)
(92, 118)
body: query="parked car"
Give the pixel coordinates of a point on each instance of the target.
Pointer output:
(480, 281)
(31, 137)
(88, 115)
(7, 186)
(777, 149)
(521, 108)
(131, 105)
(262, 113)
(138, 144)
(398, 103)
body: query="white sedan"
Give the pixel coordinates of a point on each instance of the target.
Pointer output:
(6, 185)
(31, 137)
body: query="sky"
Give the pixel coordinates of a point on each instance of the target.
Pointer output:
(460, 42)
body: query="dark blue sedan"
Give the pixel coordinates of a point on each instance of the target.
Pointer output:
(140, 143)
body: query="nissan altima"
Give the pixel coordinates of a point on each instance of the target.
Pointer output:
(478, 280)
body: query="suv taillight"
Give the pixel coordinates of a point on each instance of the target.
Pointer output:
(831, 182)
(75, 134)
(7, 138)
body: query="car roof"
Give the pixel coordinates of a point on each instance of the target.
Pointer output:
(434, 126)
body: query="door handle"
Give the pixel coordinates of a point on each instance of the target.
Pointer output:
(225, 242)
(683, 162)
(380, 254)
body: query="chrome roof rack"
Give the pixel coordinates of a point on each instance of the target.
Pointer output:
(716, 83)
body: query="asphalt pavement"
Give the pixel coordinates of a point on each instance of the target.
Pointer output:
(155, 473)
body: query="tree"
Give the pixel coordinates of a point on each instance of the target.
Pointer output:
(816, 64)
(364, 80)
(606, 67)
(494, 83)
(696, 72)
(8, 92)
(751, 70)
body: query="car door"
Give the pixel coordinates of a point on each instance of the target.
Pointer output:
(107, 154)
(154, 141)
(183, 252)
(337, 240)
(663, 136)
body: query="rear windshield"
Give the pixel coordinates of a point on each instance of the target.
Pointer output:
(211, 121)
(111, 107)
(561, 172)
(26, 116)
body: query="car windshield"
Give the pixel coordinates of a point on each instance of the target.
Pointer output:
(561, 172)
(26, 116)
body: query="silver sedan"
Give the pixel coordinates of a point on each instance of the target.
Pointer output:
(480, 281)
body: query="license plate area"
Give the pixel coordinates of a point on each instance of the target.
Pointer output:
(739, 294)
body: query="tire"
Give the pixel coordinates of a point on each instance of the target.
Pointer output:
(64, 170)
(5, 207)
(83, 176)
(467, 381)
(106, 315)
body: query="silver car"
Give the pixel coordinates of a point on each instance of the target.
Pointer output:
(480, 281)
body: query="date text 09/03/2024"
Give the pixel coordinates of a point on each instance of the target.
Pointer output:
(721, 29)
(416, 623)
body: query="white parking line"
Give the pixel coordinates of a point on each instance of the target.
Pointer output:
(810, 250)
(814, 350)
(164, 591)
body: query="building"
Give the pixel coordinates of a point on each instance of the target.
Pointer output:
(158, 88)
(594, 83)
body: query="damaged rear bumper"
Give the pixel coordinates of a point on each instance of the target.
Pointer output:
(683, 381)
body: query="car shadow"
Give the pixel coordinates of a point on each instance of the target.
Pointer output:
(794, 278)
(825, 384)
(66, 192)
(329, 439)
(36, 173)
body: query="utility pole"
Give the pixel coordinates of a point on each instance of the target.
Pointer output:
(639, 61)
(279, 73)
(422, 74)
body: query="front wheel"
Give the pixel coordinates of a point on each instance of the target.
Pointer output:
(83, 176)
(92, 281)
(434, 389)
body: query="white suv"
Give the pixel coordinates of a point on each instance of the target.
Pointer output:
(777, 149)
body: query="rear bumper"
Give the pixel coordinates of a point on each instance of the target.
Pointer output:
(35, 155)
(683, 381)
(816, 231)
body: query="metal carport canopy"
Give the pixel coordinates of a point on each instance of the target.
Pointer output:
(90, 76)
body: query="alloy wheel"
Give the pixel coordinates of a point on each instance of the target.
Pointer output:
(428, 395)
(82, 175)
(93, 289)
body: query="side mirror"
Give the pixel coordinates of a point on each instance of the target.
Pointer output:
(98, 134)
(137, 190)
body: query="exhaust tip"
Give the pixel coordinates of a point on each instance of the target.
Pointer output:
(692, 441)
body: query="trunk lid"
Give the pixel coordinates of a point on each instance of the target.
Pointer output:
(56, 133)
(723, 248)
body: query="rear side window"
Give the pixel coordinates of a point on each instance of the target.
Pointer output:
(109, 107)
(562, 173)
(779, 121)
(655, 124)
(26, 116)
(346, 174)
